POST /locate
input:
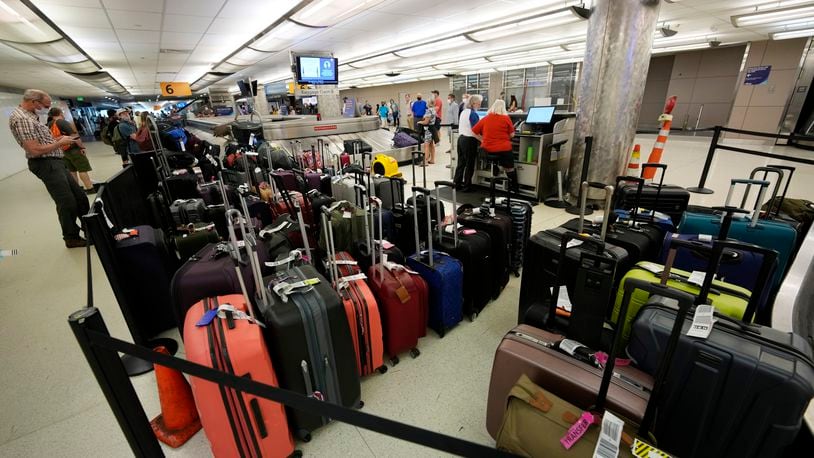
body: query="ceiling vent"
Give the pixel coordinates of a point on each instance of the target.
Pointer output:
(174, 51)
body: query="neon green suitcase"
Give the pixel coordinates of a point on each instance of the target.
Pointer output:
(728, 299)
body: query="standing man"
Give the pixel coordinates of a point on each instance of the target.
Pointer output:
(468, 143)
(44, 154)
(368, 109)
(418, 108)
(451, 118)
(464, 103)
(126, 133)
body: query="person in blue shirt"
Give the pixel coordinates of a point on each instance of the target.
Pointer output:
(383, 112)
(419, 108)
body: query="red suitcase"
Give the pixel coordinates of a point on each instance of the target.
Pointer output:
(403, 298)
(219, 332)
(361, 307)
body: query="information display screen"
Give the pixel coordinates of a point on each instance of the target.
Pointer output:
(317, 70)
(540, 115)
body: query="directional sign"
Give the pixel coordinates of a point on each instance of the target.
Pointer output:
(175, 89)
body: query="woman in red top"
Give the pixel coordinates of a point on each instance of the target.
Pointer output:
(497, 131)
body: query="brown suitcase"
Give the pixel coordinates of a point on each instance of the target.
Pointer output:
(528, 350)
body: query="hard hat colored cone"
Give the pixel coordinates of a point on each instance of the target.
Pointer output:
(635, 159)
(178, 420)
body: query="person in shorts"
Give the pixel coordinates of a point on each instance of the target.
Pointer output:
(75, 157)
(428, 123)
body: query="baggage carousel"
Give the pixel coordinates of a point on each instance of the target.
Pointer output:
(285, 131)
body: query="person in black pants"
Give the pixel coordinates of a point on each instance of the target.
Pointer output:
(468, 143)
(45, 160)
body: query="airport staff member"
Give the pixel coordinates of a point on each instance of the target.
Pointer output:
(44, 154)
(468, 143)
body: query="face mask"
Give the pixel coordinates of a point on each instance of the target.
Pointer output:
(42, 111)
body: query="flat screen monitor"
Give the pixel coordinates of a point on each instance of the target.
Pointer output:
(540, 115)
(481, 113)
(247, 88)
(317, 70)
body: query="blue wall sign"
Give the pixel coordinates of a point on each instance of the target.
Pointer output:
(757, 75)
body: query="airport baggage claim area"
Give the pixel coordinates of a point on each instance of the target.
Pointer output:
(383, 228)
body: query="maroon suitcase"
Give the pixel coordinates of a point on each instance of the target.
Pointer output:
(531, 351)
(403, 298)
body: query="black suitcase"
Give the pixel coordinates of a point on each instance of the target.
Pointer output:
(185, 211)
(641, 240)
(474, 249)
(362, 147)
(541, 257)
(520, 213)
(665, 198)
(184, 186)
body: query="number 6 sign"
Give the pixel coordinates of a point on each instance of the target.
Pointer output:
(175, 89)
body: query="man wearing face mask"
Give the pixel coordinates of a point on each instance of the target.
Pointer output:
(44, 154)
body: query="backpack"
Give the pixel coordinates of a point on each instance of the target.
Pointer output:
(107, 139)
(403, 140)
(119, 142)
(56, 133)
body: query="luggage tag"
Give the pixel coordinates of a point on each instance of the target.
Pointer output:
(207, 318)
(577, 350)
(702, 321)
(294, 255)
(578, 429)
(644, 450)
(347, 214)
(572, 243)
(610, 436)
(386, 245)
(469, 232)
(697, 278)
(223, 309)
(284, 289)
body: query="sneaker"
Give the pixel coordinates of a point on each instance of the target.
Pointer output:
(76, 243)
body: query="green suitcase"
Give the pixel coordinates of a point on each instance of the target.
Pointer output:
(728, 299)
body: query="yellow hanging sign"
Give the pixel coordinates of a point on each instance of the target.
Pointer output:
(175, 89)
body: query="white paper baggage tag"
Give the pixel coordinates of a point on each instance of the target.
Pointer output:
(236, 314)
(285, 289)
(702, 322)
(609, 437)
(570, 346)
(697, 278)
(345, 262)
(292, 256)
(572, 243)
(651, 267)
(702, 237)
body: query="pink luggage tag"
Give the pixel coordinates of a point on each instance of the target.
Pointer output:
(578, 429)
(602, 358)
(468, 231)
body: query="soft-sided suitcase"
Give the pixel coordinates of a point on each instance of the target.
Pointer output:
(185, 211)
(543, 251)
(774, 235)
(499, 228)
(668, 199)
(543, 421)
(361, 307)
(741, 392)
(642, 241)
(403, 298)
(145, 259)
(182, 186)
(192, 238)
(474, 249)
(534, 352)
(444, 277)
(235, 423)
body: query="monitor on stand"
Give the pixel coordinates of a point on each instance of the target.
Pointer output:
(537, 117)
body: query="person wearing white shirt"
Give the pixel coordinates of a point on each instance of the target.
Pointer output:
(468, 144)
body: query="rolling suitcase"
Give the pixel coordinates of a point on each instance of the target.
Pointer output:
(403, 298)
(499, 227)
(542, 253)
(748, 385)
(444, 277)
(474, 249)
(182, 186)
(192, 238)
(361, 307)
(389, 189)
(542, 420)
(669, 200)
(642, 241)
(188, 211)
(774, 235)
(520, 213)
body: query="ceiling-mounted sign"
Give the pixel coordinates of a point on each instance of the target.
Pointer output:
(309, 90)
(175, 89)
(757, 75)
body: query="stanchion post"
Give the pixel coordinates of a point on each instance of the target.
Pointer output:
(115, 383)
(586, 162)
(700, 189)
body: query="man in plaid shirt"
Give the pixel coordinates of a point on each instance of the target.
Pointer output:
(44, 154)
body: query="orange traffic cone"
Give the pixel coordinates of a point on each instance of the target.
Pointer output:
(178, 420)
(633, 164)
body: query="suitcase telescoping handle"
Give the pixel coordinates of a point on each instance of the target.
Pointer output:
(438, 204)
(638, 199)
(418, 155)
(330, 247)
(749, 182)
(222, 189)
(375, 201)
(766, 171)
(685, 302)
(584, 201)
(558, 279)
(790, 171)
(492, 197)
(726, 222)
(363, 200)
(420, 190)
(250, 245)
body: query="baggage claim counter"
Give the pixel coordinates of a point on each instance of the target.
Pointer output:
(283, 130)
(541, 147)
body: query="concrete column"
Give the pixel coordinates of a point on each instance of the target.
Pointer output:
(620, 35)
(261, 104)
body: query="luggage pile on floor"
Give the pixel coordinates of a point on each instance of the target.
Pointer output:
(663, 337)
(306, 270)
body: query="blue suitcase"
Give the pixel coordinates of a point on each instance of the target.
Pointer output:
(775, 235)
(444, 276)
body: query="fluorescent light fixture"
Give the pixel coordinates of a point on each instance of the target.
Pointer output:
(324, 13)
(461, 64)
(207, 79)
(532, 54)
(680, 48)
(575, 46)
(544, 20)
(683, 40)
(519, 66)
(773, 16)
(477, 72)
(362, 63)
(565, 61)
(282, 36)
(447, 43)
(787, 34)
(102, 80)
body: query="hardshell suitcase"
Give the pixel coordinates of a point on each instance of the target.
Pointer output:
(403, 298)
(741, 392)
(185, 211)
(235, 423)
(668, 199)
(444, 277)
(520, 212)
(474, 249)
(499, 227)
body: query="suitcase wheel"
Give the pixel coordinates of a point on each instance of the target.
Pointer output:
(517, 273)
(473, 316)
(414, 353)
(383, 369)
(295, 454)
(442, 333)
(394, 360)
(304, 435)
(361, 404)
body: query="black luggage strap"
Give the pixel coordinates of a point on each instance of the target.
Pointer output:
(100, 349)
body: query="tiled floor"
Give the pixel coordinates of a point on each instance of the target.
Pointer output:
(52, 406)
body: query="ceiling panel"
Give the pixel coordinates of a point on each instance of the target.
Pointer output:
(186, 24)
(71, 16)
(154, 6)
(130, 37)
(82, 3)
(180, 40)
(135, 20)
(207, 8)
